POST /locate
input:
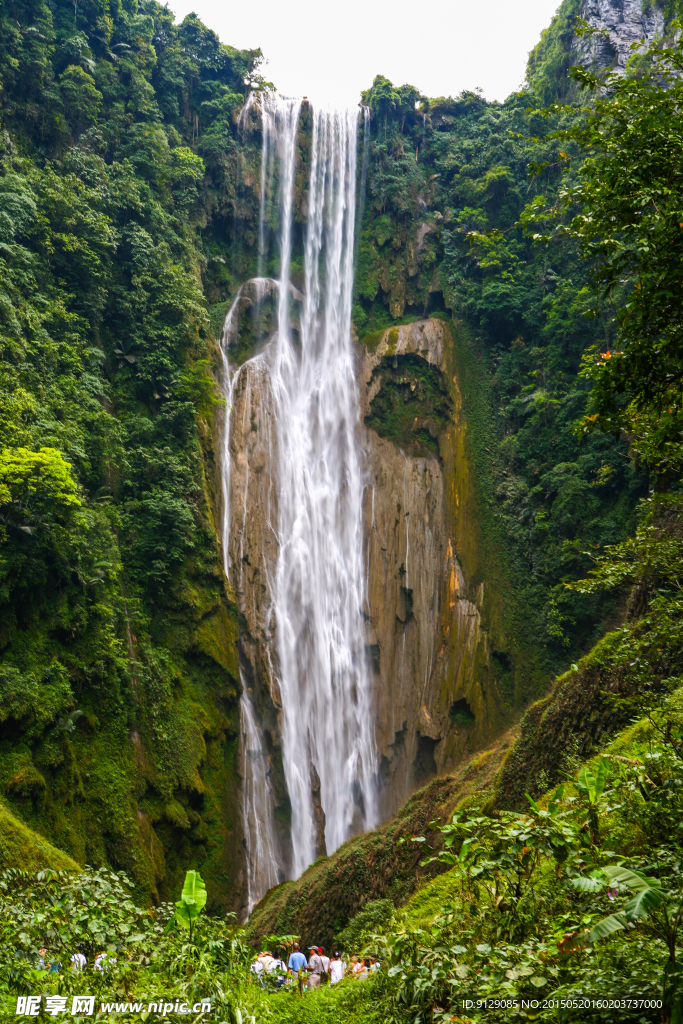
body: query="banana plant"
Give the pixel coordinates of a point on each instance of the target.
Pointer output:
(192, 901)
(591, 786)
(662, 911)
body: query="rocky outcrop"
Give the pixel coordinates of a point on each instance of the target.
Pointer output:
(428, 626)
(436, 695)
(620, 23)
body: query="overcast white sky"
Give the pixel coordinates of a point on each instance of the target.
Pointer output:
(330, 51)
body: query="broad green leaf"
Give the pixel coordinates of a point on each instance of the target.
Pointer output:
(631, 879)
(644, 902)
(192, 900)
(194, 890)
(601, 778)
(585, 884)
(608, 925)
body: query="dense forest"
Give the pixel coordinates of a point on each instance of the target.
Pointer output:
(546, 231)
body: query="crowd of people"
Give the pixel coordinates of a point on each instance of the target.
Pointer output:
(318, 970)
(79, 962)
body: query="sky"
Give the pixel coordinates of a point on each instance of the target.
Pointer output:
(330, 52)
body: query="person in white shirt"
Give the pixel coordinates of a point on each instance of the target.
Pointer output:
(325, 960)
(103, 961)
(337, 968)
(268, 960)
(78, 961)
(257, 966)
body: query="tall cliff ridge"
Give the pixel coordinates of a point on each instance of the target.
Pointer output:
(620, 23)
(616, 25)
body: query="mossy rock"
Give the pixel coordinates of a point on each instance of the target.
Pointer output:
(413, 405)
(21, 847)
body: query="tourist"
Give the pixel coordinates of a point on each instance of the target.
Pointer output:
(297, 963)
(279, 965)
(103, 962)
(279, 968)
(268, 961)
(257, 966)
(315, 968)
(357, 965)
(297, 960)
(78, 961)
(337, 968)
(325, 976)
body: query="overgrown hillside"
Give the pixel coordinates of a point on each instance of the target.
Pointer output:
(442, 175)
(118, 656)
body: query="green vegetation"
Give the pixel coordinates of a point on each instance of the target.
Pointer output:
(118, 668)
(550, 864)
(20, 845)
(412, 406)
(441, 179)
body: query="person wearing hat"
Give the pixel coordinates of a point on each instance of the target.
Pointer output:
(315, 968)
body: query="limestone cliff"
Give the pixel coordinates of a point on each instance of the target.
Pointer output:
(437, 697)
(436, 642)
(619, 24)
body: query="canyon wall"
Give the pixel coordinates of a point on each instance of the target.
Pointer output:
(436, 695)
(436, 642)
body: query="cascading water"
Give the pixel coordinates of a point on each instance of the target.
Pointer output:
(317, 585)
(258, 808)
(327, 711)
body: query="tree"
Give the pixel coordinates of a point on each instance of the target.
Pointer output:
(624, 207)
(34, 486)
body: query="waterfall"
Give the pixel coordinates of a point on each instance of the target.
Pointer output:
(258, 808)
(317, 586)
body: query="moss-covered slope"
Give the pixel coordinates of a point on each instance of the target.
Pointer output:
(21, 847)
(371, 866)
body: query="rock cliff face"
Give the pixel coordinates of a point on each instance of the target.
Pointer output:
(436, 696)
(623, 22)
(428, 628)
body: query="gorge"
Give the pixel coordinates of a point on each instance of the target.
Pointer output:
(333, 545)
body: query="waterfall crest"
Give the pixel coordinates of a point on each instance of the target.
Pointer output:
(320, 688)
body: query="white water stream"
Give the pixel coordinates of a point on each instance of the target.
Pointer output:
(318, 583)
(258, 807)
(327, 712)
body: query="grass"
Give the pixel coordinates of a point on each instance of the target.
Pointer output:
(350, 1001)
